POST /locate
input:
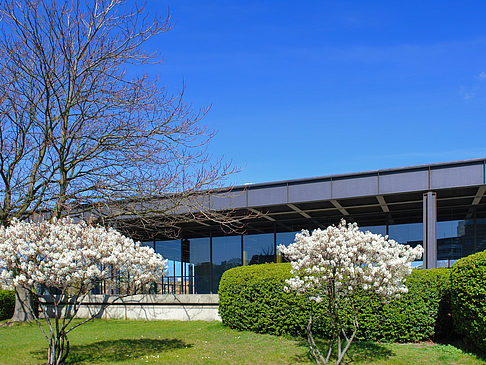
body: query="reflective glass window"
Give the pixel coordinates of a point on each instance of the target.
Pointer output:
(480, 234)
(226, 254)
(455, 239)
(198, 266)
(171, 250)
(258, 249)
(408, 234)
(374, 229)
(286, 238)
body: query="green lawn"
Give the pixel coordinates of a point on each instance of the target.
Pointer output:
(169, 342)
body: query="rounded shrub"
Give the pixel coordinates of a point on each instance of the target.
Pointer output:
(468, 298)
(253, 298)
(7, 304)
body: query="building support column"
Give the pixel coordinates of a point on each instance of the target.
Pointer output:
(429, 225)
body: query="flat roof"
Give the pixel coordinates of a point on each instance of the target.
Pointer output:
(378, 197)
(368, 172)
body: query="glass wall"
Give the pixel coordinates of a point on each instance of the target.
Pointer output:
(286, 238)
(408, 234)
(455, 239)
(226, 254)
(480, 234)
(199, 267)
(374, 229)
(258, 248)
(171, 250)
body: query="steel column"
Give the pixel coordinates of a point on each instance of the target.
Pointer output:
(429, 226)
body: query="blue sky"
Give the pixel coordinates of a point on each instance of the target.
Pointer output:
(311, 88)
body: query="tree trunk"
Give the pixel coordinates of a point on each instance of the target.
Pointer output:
(23, 305)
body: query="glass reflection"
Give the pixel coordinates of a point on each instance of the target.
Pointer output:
(171, 250)
(374, 229)
(480, 234)
(286, 238)
(199, 268)
(190, 270)
(408, 234)
(258, 249)
(226, 254)
(455, 239)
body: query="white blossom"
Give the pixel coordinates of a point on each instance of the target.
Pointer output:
(64, 255)
(336, 263)
(349, 258)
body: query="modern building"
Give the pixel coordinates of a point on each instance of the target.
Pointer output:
(439, 206)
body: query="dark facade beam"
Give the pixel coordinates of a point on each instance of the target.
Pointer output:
(429, 229)
(295, 209)
(339, 207)
(266, 216)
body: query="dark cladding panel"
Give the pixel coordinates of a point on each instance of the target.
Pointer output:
(230, 200)
(404, 182)
(449, 177)
(310, 192)
(352, 187)
(267, 196)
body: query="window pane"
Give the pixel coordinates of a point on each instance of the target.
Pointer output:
(199, 267)
(408, 234)
(171, 250)
(374, 229)
(258, 249)
(286, 238)
(481, 234)
(226, 254)
(455, 239)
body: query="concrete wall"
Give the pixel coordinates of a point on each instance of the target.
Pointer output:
(180, 307)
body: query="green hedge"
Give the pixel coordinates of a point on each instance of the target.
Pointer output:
(468, 295)
(252, 298)
(7, 304)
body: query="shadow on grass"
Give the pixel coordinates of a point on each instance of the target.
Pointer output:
(358, 351)
(118, 350)
(464, 347)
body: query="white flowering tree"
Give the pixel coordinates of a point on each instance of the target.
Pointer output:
(333, 265)
(68, 260)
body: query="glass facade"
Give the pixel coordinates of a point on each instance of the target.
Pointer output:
(374, 229)
(226, 254)
(258, 248)
(197, 265)
(286, 238)
(480, 234)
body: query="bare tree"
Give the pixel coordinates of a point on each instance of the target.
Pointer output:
(82, 130)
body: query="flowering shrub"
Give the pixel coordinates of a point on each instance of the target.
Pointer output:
(339, 262)
(68, 260)
(252, 298)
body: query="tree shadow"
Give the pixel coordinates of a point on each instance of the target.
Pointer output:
(358, 351)
(118, 350)
(464, 346)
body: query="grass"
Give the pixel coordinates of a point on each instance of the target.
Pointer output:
(169, 342)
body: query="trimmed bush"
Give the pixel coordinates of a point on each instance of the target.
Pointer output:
(252, 298)
(7, 304)
(468, 297)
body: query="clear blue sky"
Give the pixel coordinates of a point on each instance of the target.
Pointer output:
(310, 88)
